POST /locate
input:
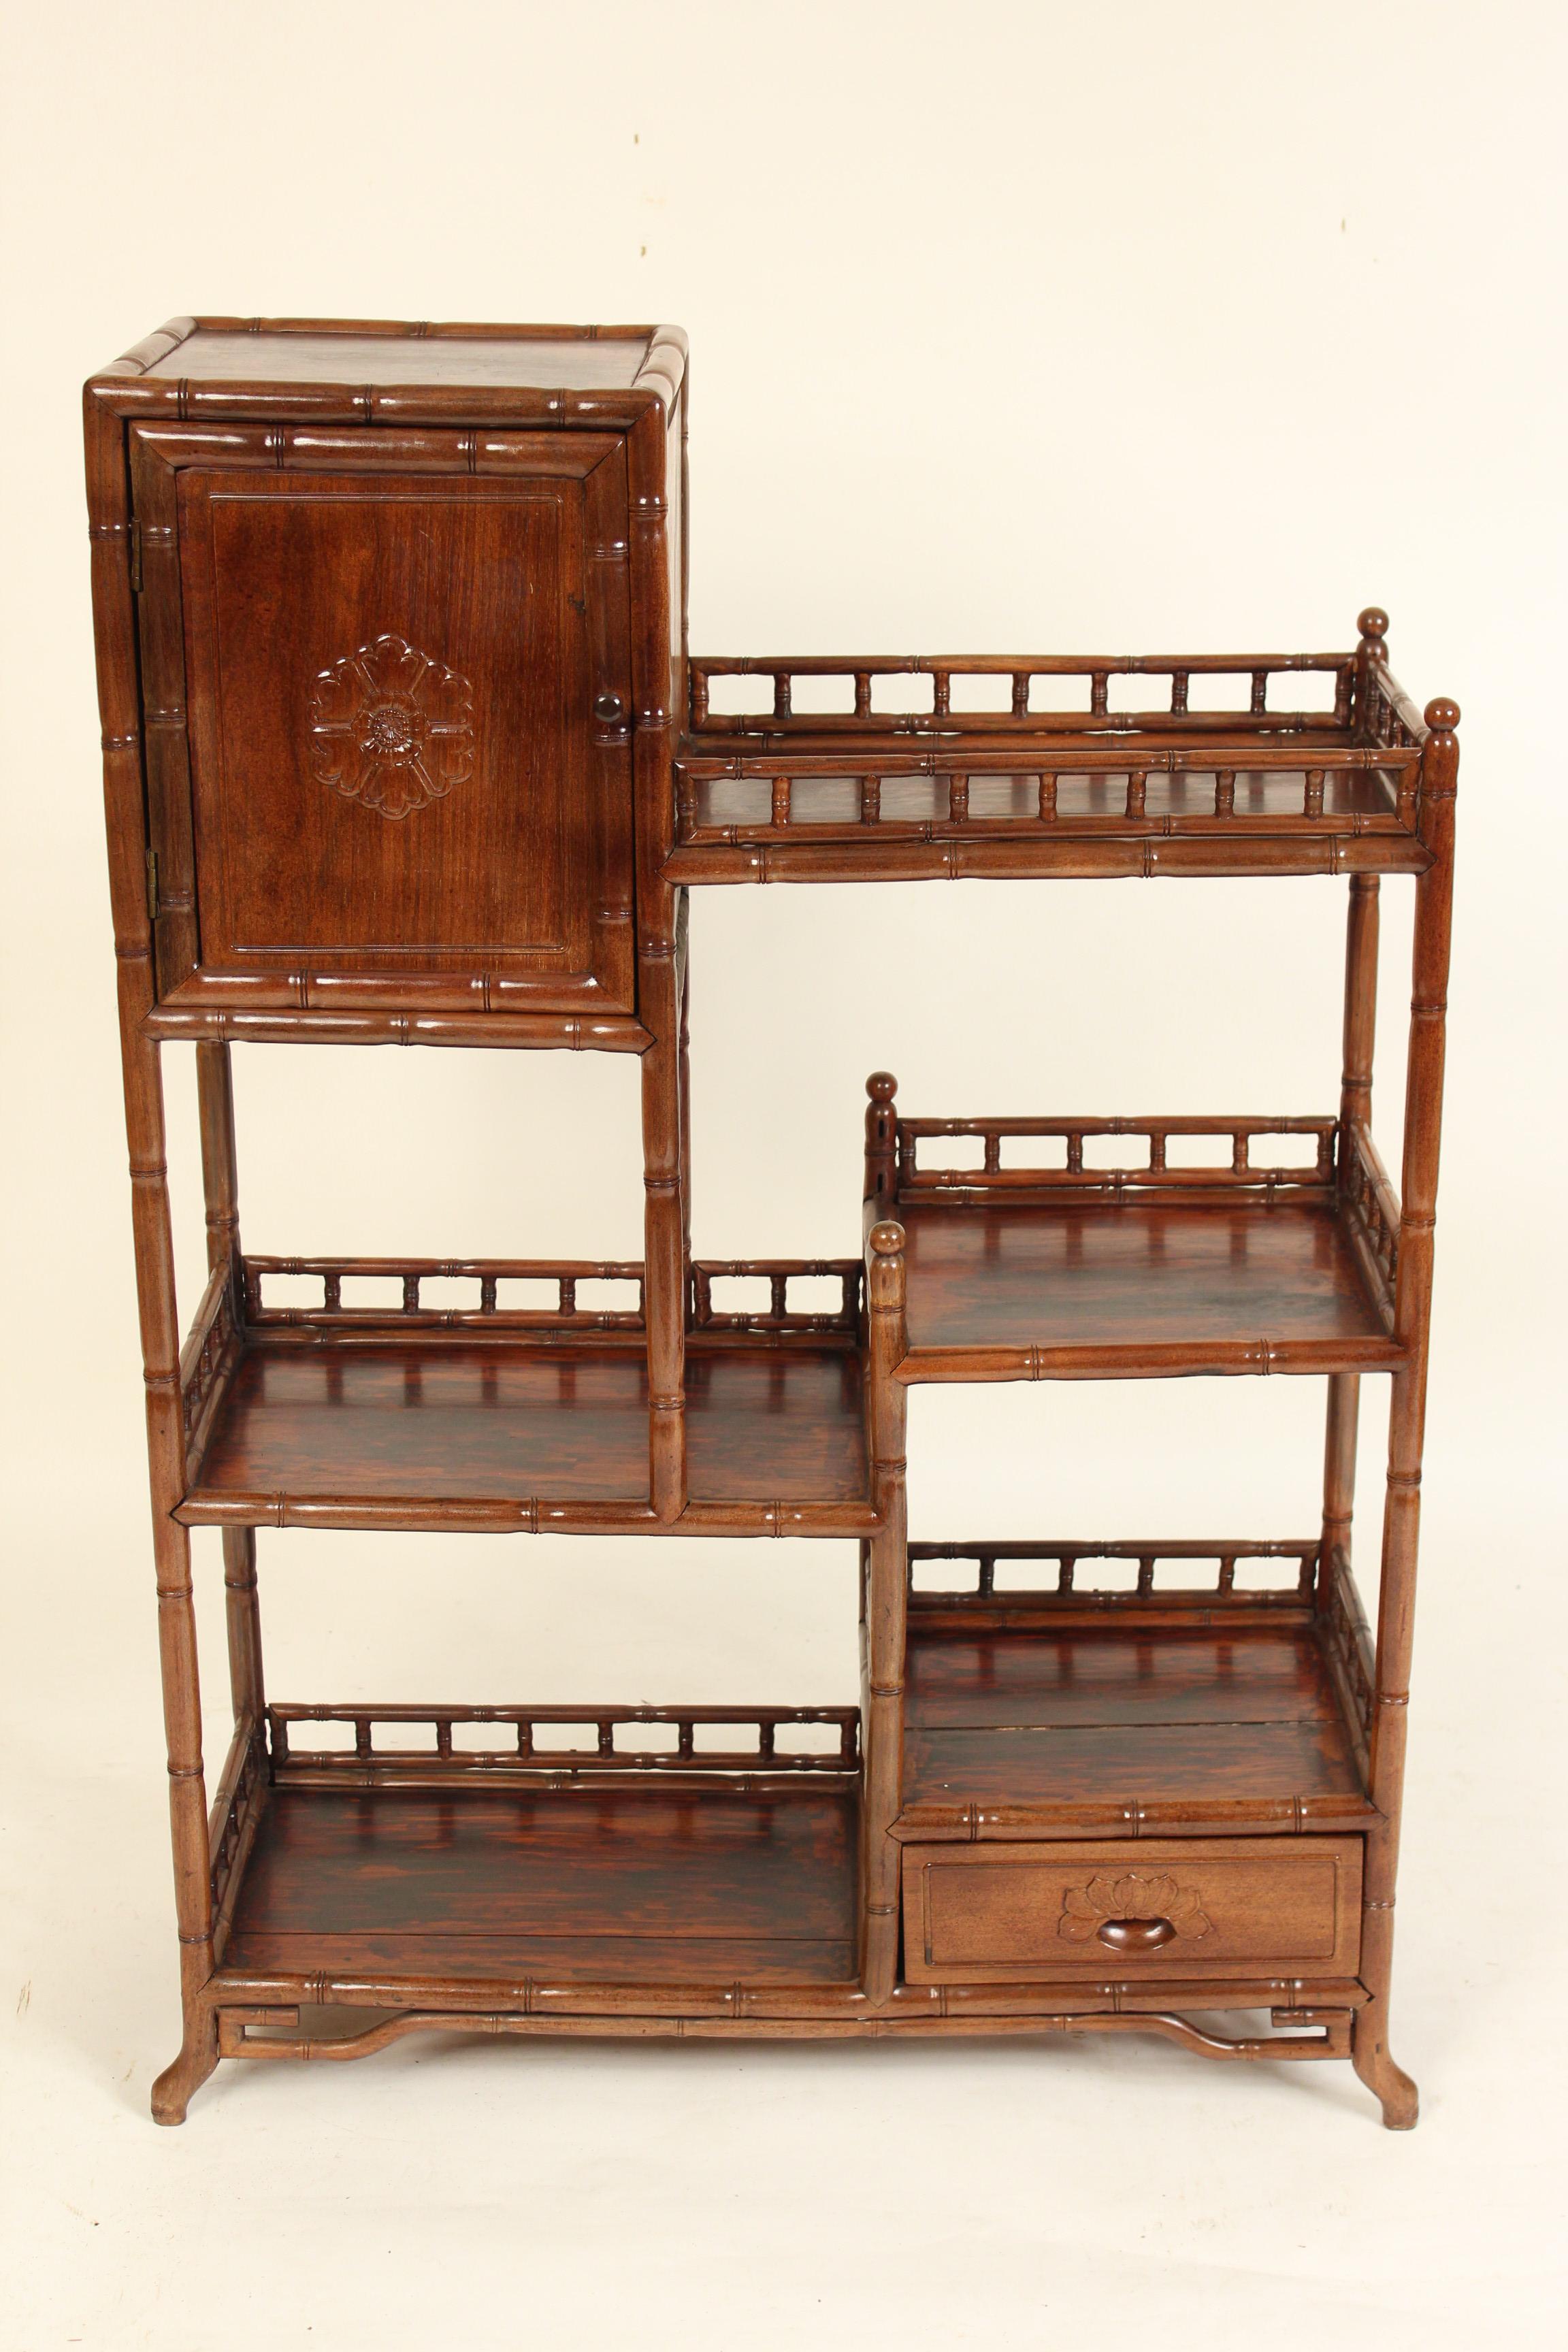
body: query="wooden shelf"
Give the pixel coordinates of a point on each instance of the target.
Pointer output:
(440, 1431)
(1141, 1247)
(853, 812)
(1076, 1712)
(629, 1885)
(1114, 1288)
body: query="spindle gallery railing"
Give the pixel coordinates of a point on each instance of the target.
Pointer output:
(1251, 713)
(1243, 1169)
(1347, 1638)
(1024, 789)
(778, 1315)
(208, 1357)
(761, 1743)
(1371, 1208)
(487, 1312)
(235, 1802)
(1185, 1589)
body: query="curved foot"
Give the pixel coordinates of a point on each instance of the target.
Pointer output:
(177, 2085)
(1389, 2083)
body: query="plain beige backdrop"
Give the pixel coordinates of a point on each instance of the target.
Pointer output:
(1014, 328)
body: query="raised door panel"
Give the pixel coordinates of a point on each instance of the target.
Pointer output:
(381, 770)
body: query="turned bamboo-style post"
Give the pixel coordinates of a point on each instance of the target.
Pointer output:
(220, 1175)
(885, 1613)
(119, 707)
(1370, 653)
(1355, 1111)
(881, 1144)
(1407, 1406)
(661, 926)
(220, 1184)
(685, 1082)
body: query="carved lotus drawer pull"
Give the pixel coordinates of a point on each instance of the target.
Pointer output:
(1133, 1914)
(1136, 1934)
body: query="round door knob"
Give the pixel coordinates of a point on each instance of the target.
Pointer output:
(610, 708)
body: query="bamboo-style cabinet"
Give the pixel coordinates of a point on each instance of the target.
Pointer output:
(403, 744)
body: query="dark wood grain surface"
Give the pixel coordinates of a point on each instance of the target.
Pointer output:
(378, 766)
(398, 1419)
(1113, 1273)
(1043, 1912)
(627, 1887)
(1055, 1719)
(518, 358)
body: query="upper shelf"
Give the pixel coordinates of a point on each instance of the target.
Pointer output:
(898, 770)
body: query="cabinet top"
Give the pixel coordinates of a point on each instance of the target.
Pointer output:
(222, 364)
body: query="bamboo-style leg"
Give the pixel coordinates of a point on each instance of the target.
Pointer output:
(885, 1616)
(124, 788)
(220, 1183)
(198, 2055)
(171, 1554)
(1407, 1412)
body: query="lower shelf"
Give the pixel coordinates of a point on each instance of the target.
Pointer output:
(622, 1886)
(1067, 1712)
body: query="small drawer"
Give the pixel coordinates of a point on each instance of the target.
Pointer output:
(1182, 1908)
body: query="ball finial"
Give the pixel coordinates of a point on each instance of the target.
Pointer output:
(1442, 715)
(1373, 624)
(881, 1086)
(887, 1238)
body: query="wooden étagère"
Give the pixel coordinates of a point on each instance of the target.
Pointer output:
(403, 744)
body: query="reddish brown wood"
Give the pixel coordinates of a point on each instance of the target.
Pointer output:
(625, 1887)
(456, 1422)
(393, 667)
(1121, 1287)
(883, 1608)
(1040, 1913)
(1056, 1723)
(1407, 1410)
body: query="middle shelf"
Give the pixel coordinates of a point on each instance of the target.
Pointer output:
(517, 1433)
(460, 1397)
(1137, 1249)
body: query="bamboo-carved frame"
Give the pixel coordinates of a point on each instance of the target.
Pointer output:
(1373, 730)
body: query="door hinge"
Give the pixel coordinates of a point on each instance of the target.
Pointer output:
(151, 886)
(135, 557)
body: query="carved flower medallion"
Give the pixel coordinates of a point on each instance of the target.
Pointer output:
(392, 727)
(1085, 1909)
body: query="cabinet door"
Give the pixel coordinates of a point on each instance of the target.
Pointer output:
(387, 685)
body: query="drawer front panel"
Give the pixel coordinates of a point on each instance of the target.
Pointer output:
(1177, 1909)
